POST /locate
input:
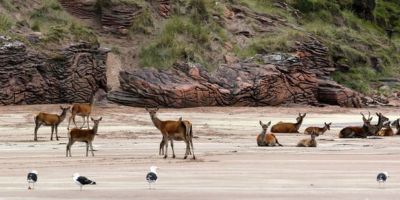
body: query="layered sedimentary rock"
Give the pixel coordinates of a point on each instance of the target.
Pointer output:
(275, 79)
(73, 74)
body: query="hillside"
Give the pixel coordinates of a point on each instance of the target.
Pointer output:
(357, 45)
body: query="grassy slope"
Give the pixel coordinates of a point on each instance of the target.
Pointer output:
(194, 33)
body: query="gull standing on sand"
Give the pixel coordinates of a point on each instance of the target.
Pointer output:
(381, 178)
(32, 178)
(81, 180)
(151, 177)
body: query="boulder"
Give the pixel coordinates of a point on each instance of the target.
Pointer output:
(73, 74)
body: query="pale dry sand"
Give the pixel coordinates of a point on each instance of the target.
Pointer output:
(229, 164)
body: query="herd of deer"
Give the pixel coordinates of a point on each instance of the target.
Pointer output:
(382, 128)
(181, 130)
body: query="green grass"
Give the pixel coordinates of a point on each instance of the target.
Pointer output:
(142, 23)
(57, 25)
(5, 23)
(180, 39)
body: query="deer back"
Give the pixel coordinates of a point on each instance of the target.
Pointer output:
(83, 135)
(46, 118)
(174, 129)
(284, 128)
(81, 109)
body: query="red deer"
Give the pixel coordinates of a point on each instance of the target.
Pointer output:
(396, 124)
(52, 120)
(173, 130)
(386, 131)
(374, 129)
(264, 139)
(81, 109)
(357, 131)
(283, 127)
(309, 142)
(319, 131)
(83, 135)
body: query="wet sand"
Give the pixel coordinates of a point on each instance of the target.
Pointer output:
(229, 164)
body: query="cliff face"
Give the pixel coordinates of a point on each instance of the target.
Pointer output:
(264, 80)
(31, 77)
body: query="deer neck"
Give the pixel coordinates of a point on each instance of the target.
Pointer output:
(95, 128)
(324, 129)
(62, 116)
(298, 124)
(263, 131)
(156, 121)
(92, 100)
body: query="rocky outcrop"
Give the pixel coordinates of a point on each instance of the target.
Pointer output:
(115, 17)
(264, 80)
(72, 74)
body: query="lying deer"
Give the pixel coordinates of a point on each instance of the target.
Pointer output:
(81, 109)
(173, 130)
(386, 131)
(396, 124)
(264, 139)
(319, 131)
(357, 131)
(52, 120)
(309, 142)
(283, 127)
(374, 129)
(83, 135)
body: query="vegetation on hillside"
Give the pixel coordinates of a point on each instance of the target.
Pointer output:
(195, 32)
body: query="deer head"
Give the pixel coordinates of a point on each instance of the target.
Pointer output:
(265, 126)
(328, 126)
(65, 110)
(152, 111)
(382, 118)
(366, 120)
(300, 117)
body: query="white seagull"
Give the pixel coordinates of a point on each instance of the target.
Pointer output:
(32, 178)
(151, 177)
(381, 178)
(81, 180)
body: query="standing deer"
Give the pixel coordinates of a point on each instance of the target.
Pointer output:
(82, 109)
(284, 127)
(173, 130)
(357, 131)
(264, 139)
(52, 120)
(386, 131)
(319, 131)
(309, 142)
(83, 135)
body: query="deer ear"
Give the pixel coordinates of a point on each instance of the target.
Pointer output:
(147, 109)
(157, 108)
(261, 123)
(304, 114)
(92, 118)
(61, 107)
(269, 123)
(100, 118)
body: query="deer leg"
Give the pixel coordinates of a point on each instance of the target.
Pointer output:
(161, 150)
(52, 131)
(166, 147)
(36, 129)
(84, 121)
(172, 147)
(91, 148)
(56, 129)
(87, 120)
(69, 121)
(187, 149)
(73, 120)
(87, 148)
(69, 147)
(191, 144)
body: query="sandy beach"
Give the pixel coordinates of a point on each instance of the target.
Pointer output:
(229, 164)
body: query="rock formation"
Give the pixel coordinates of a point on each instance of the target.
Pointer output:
(264, 80)
(73, 74)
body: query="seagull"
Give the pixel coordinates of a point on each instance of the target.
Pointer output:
(81, 180)
(381, 178)
(151, 177)
(32, 178)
